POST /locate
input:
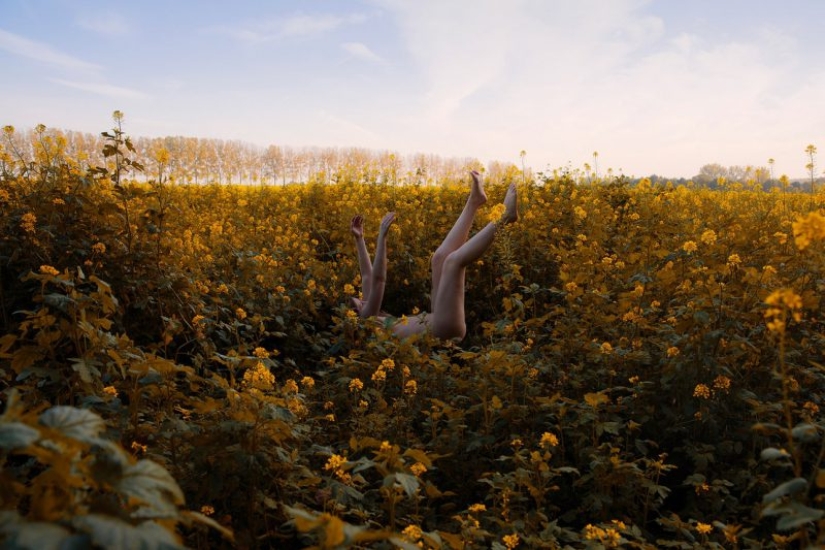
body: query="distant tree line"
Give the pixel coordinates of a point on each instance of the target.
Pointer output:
(190, 160)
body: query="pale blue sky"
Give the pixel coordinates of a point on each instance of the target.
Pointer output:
(655, 86)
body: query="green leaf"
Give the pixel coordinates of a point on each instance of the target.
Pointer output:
(408, 482)
(39, 535)
(85, 369)
(789, 488)
(772, 453)
(110, 532)
(806, 433)
(16, 435)
(797, 516)
(150, 483)
(76, 423)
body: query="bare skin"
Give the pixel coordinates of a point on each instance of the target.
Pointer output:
(449, 264)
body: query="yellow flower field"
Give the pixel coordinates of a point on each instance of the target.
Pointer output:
(179, 366)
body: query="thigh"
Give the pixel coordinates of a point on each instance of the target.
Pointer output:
(447, 318)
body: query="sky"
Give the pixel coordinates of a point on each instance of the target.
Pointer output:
(651, 86)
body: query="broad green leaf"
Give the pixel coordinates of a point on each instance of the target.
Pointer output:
(798, 515)
(789, 488)
(150, 483)
(16, 435)
(805, 432)
(409, 482)
(39, 535)
(772, 453)
(85, 369)
(111, 532)
(76, 423)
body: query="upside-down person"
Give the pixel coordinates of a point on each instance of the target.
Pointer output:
(449, 265)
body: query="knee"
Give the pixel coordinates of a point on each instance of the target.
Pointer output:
(438, 258)
(451, 261)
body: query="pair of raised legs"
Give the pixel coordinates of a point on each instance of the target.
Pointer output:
(457, 251)
(449, 265)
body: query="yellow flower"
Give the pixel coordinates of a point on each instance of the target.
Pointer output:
(349, 290)
(27, 222)
(703, 528)
(734, 260)
(388, 364)
(808, 229)
(380, 375)
(411, 387)
(476, 508)
(412, 533)
(240, 314)
(356, 385)
(308, 382)
(417, 469)
(335, 462)
(259, 377)
(606, 348)
(722, 383)
(510, 541)
(49, 270)
(701, 391)
(549, 440)
(207, 510)
(708, 237)
(290, 386)
(689, 247)
(672, 351)
(260, 353)
(516, 443)
(110, 390)
(99, 248)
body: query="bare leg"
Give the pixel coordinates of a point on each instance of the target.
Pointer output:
(459, 232)
(448, 307)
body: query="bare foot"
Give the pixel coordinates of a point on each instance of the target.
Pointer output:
(477, 194)
(510, 205)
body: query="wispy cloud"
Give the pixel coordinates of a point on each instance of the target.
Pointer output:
(102, 89)
(362, 51)
(110, 24)
(287, 27)
(19, 45)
